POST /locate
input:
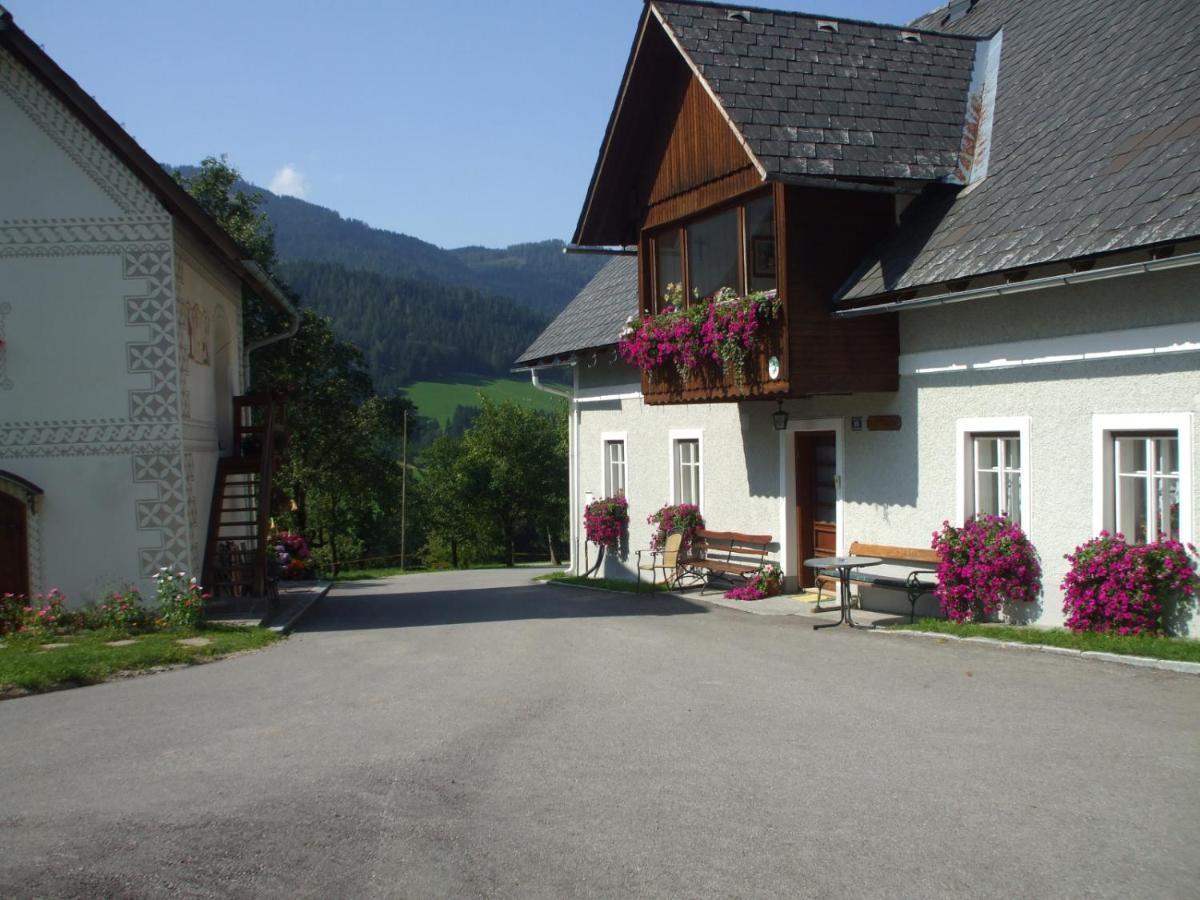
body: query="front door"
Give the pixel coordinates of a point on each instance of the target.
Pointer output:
(816, 498)
(14, 554)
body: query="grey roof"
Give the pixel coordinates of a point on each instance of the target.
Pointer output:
(859, 102)
(1095, 144)
(594, 318)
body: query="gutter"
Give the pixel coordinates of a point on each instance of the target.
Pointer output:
(603, 251)
(1018, 287)
(264, 282)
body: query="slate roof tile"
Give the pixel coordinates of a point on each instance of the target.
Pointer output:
(863, 70)
(594, 318)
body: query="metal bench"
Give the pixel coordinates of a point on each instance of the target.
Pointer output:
(728, 556)
(914, 581)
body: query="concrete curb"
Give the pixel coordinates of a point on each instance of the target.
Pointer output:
(293, 614)
(1141, 662)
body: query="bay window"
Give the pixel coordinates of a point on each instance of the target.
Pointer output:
(733, 247)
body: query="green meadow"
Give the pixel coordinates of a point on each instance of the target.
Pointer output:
(437, 399)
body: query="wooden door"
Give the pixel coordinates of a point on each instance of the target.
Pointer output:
(14, 553)
(816, 498)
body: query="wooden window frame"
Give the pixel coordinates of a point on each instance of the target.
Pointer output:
(650, 300)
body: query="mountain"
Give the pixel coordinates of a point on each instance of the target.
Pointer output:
(413, 329)
(537, 275)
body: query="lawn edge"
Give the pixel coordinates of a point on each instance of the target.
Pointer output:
(1141, 662)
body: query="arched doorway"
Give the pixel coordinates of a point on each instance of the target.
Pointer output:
(14, 546)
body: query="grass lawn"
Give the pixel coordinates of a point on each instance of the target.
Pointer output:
(437, 399)
(1182, 649)
(88, 659)
(607, 584)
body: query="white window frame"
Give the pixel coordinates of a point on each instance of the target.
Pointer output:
(674, 437)
(965, 432)
(1104, 427)
(606, 438)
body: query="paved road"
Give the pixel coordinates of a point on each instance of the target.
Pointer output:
(475, 735)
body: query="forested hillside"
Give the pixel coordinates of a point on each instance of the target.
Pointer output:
(413, 329)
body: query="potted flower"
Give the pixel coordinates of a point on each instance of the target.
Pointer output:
(682, 517)
(606, 521)
(1112, 586)
(983, 565)
(763, 583)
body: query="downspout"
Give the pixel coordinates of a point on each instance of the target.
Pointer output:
(272, 290)
(568, 394)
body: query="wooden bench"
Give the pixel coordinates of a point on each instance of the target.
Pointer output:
(728, 556)
(915, 582)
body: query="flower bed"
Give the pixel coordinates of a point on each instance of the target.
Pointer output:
(606, 521)
(292, 553)
(720, 333)
(982, 565)
(1123, 589)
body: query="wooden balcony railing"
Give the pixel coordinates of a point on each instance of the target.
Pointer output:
(710, 383)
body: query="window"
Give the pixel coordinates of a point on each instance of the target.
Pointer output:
(1146, 486)
(614, 468)
(687, 471)
(996, 485)
(993, 469)
(734, 248)
(1143, 476)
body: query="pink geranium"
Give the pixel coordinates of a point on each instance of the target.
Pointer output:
(605, 521)
(983, 564)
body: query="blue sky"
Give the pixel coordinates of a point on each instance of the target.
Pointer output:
(457, 121)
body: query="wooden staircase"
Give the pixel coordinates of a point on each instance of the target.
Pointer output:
(238, 557)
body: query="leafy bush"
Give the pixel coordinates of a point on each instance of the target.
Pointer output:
(12, 613)
(605, 521)
(180, 600)
(983, 564)
(45, 613)
(123, 612)
(683, 517)
(1125, 589)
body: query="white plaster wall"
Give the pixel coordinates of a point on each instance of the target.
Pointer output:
(898, 487)
(90, 405)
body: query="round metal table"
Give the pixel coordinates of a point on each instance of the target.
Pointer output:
(843, 565)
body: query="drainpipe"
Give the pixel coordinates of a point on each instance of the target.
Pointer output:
(568, 394)
(264, 282)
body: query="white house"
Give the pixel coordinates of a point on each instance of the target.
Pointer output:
(987, 228)
(120, 316)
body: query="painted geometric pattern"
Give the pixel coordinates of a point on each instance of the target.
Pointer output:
(82, 437)
(159, 356)
(166, 513)
(109, 174)
(52, 232)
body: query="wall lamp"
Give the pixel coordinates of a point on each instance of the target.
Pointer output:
(780, 418)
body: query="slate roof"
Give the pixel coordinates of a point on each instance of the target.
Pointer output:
(859, 102)
(594, 318)
(1095, 144)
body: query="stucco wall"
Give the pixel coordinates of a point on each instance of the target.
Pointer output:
(89, 374)
(898, 486)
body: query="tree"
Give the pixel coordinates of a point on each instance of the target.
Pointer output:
(215, 187)
(515, 467)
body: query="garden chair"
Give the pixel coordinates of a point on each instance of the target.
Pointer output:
(666, 559)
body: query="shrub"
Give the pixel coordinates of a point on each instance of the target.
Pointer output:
(763, 583)
(122, 612)
(181, 602)
(1112, 586)
(12, 613)
(605, 521)
(983, 564)
(45, 613)
(684, 518)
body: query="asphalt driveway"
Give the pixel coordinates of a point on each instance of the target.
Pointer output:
(473, 734)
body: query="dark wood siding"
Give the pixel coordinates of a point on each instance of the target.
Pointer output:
(14, 548)
(701, 147)
(827, 234)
